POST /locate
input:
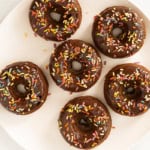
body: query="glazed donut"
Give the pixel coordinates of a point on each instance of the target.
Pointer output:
(35, 89)
(118, 32)
(127, 89)
(70, 78)
(57, 28)
(85, 122)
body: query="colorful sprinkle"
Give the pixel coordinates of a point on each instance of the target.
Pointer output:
(64, 74)
(45, 26)
(10, 78)
(128, 87)
(132, 35)
(75, 133)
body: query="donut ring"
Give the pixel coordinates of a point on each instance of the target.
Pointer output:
(35, 88)
(65, 75)
(49, 28)
(127, 89)
(85, 122)
(129, 39)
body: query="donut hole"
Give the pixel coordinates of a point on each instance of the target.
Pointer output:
(120, 32)
(76, 65)
(84, 123)
(116, 32)
(55, 16)
(21, 88)
(130, 90)
(133, 92)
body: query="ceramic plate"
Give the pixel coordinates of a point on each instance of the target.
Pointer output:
(39, 131)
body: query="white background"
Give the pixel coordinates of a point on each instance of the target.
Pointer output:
(6, 143)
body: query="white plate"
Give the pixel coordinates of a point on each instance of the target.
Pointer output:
(39, 131)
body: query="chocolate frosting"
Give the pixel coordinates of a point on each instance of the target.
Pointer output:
(126, 43)
(45, 26)
(35, 84)
(64, 74)
(127, 89)
(85, 122)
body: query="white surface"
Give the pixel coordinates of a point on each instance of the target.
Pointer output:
(16, 37)
(7, 143)
(6, 6)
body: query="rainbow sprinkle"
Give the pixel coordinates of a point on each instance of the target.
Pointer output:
(44, 25)
(97, 115)
(13, 75)
(132, 27)
(133, 77)
(61, 67)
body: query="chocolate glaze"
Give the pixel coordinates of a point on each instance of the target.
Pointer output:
(85, 122)
(127, 89)
(125, 44)
(34, 81)
(45, 26)
(62, 71)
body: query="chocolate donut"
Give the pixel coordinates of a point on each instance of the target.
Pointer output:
(70, 78)
(67, 18)
(85, 122)
(127, 89)
(33, 94)
(118, 32)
